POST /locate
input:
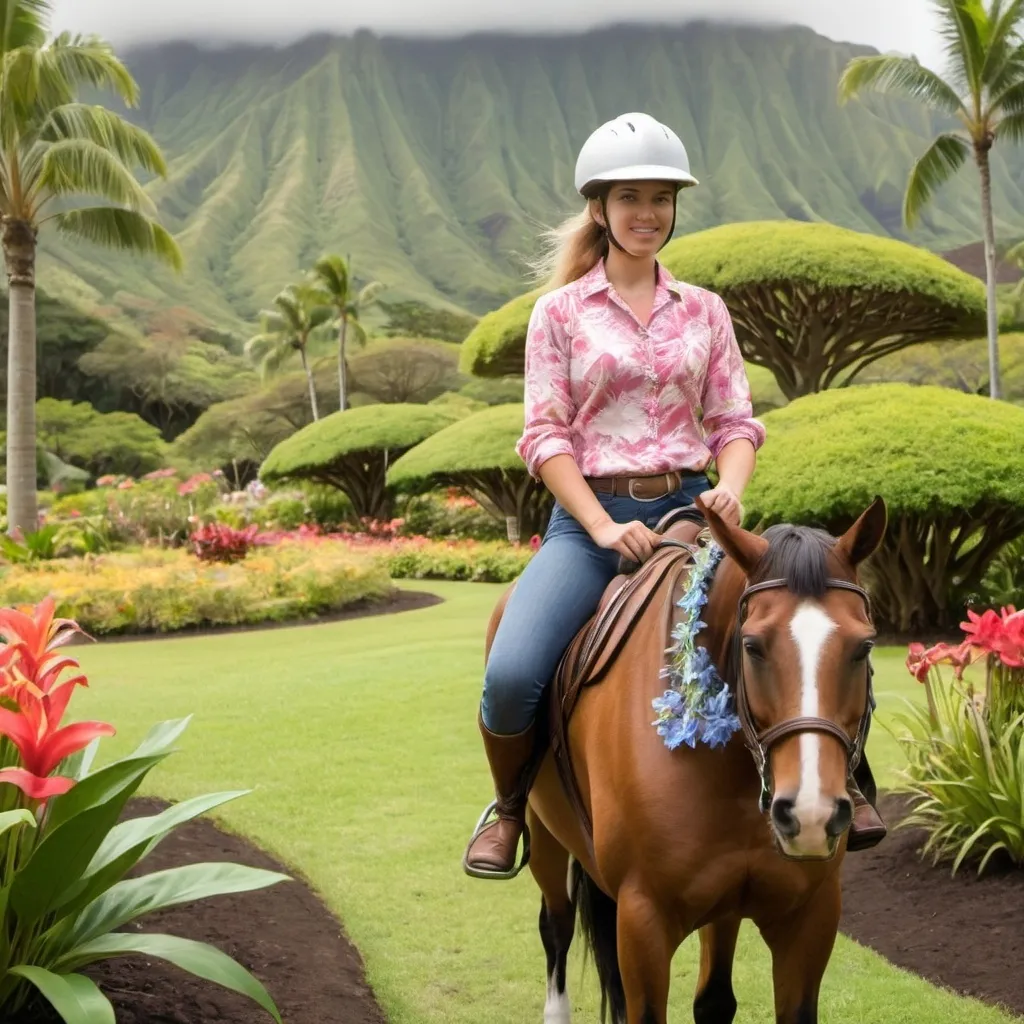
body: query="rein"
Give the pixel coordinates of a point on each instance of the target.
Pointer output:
(761, 742)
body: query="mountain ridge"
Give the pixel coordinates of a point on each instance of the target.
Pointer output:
(435, 162)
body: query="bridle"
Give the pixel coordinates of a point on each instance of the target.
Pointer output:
(761, 743)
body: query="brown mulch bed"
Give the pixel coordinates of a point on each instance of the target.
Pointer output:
(283, 934)
(964, 933)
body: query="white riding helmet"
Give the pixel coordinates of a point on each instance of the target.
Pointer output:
(632, 147)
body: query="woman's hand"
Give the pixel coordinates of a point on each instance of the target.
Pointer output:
(722, 500)
(632, 540)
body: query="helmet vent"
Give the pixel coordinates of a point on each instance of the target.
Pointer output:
(631, 128)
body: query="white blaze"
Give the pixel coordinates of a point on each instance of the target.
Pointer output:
(810, 629)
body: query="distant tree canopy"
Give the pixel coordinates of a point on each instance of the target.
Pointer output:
(63, 336)
(816, 303)
(955, 364)
(416, 319)
(168, 380)
(478, 454)
(812, 303)
(950, 467)
(405, 370)
(353, 450)
(100, 443)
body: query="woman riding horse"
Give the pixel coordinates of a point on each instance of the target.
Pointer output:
(634, 384)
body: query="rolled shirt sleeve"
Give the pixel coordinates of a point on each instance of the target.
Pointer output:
(728, 413)
(548, 405)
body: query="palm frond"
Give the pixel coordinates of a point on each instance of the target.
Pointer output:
(23, 23)
(89, 60)
(368, 294)
(1008, 74)
(965, 52)
(946, 155)
(130, 143)
(122, 229)
(1011, 128)
(1011, 100)
(904, 75)
(332, 271)
(1002, 40)
(81, 167)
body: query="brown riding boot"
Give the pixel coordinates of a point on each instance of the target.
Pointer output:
(867, 828)
(491, 852)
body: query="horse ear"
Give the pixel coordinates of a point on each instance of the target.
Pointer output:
(744, 548)
(861, 539)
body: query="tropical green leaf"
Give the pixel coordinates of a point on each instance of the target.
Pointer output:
(24, 24)
(198, 958)
(130, 842)
(122, 229)
(130, 143)
(75, 997)
(959, 26)
(898, 74)
(161, 737)
(11, 819)
(946, 155)
(135, 897)
(75, 167)
(59, 860)
(98, 788)
(79, 60)
(78, 764)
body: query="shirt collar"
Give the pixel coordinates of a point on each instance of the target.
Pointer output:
(596, 280)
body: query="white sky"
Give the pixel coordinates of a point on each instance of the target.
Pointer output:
(904, 25)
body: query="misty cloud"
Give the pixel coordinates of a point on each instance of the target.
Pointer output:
(904, 25)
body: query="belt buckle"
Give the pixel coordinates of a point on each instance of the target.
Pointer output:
(635, 497)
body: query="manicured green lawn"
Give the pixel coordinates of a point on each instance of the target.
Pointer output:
(360, 742)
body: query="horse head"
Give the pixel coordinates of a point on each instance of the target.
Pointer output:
(799, 658)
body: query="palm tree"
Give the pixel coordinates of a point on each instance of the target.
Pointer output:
(57, 155)
(333, 275)
(287, 329)
(983, 90)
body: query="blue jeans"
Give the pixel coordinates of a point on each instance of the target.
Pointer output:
(554, 597)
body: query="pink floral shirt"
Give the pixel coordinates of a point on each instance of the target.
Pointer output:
(627, 399)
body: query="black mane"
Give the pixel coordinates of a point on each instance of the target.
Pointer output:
(797, 554)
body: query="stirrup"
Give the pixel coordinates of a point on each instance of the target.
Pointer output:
(490, 873)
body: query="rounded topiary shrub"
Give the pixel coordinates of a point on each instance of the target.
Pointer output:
(950, 467)
(478, 453)
(352, 451)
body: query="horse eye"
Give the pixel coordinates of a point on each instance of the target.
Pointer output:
(753, 647)
(864, 650)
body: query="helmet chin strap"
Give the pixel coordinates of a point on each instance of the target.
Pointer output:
(614, 241)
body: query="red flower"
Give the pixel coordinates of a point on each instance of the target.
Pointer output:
(31, 667)
(985, 630)
(998, 634)
(1012, 652)
(535, 546)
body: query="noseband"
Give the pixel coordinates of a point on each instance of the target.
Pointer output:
(761, 743)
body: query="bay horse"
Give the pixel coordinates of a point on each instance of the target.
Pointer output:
(661, 843)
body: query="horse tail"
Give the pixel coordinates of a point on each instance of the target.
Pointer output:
(598, 915)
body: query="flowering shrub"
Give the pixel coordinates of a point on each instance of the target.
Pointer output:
(449, 514)
(966, 748)
(159, 590)
(218, 542)
(64, 857)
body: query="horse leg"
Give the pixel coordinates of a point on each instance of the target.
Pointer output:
(549, 865)
(801, 944)
(645, 946)
(715, 1001)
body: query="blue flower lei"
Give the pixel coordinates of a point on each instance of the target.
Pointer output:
(698, 706)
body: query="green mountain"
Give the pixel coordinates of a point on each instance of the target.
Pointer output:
(436, 164)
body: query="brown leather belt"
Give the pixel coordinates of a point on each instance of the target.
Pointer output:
(642, 488)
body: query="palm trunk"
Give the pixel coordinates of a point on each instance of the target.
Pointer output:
(981, 155)
(309, 381)
(342, 389)
(19, 245)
